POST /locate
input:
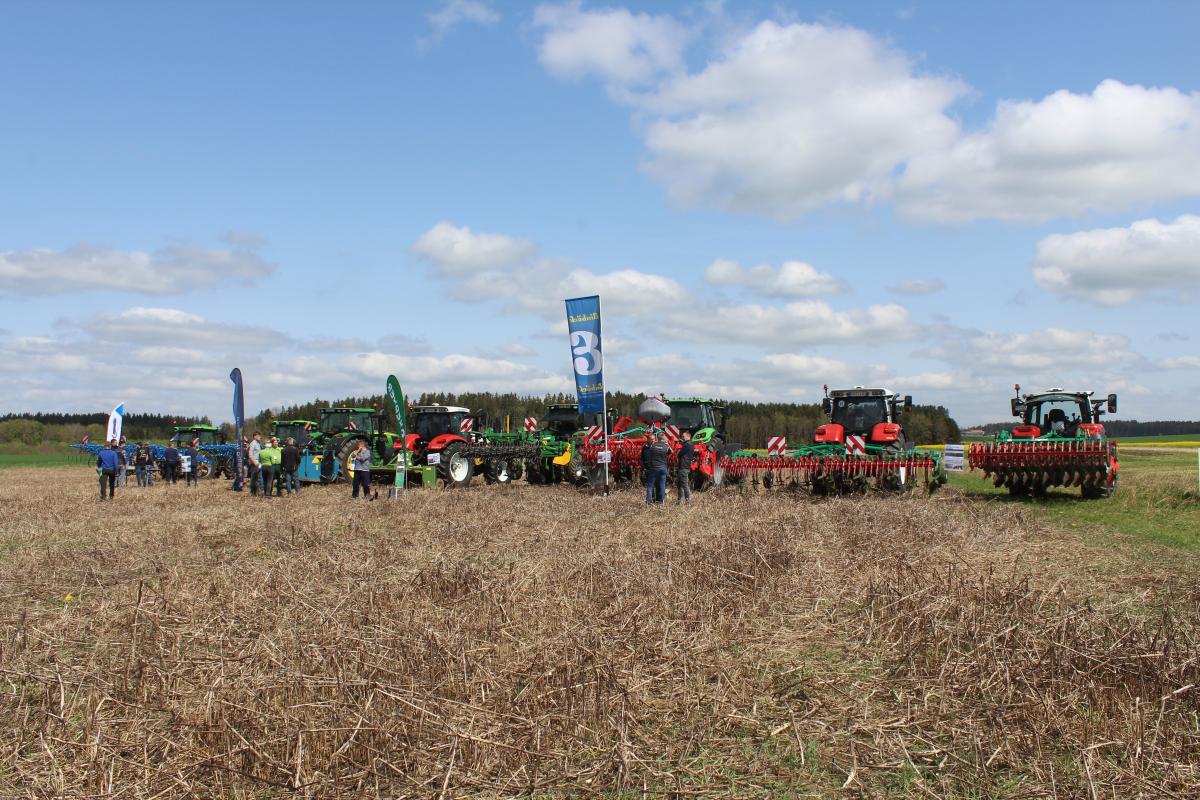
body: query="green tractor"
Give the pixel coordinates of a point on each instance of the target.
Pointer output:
(210, 443)
(306, 433)
(340, 431)
(558, 436)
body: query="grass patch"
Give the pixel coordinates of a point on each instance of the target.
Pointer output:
(1156, 502)
(69, 459)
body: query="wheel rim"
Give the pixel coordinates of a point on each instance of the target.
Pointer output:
(501, 473)
(458, 467)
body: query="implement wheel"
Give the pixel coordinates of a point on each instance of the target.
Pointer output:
(456, 468)
(497, 471)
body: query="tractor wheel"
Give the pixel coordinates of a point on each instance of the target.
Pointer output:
(575, 472)
(497, 471)
(345, 452)
(456, 467)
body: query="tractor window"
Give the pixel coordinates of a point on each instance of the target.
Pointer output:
(206, 437)
(690, 416)
(561, 421)
(1061, 415)
(428, 425)
(859, 414)
(334, 421)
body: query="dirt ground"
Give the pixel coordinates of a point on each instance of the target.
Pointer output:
(541, 642)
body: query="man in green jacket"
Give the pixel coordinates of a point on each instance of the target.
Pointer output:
(268, 462)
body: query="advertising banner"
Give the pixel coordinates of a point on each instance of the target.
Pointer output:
(400, 410)
(239, 423)
(114, 424)
(583, 326)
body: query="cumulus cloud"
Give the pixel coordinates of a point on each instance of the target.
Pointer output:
(613, 44)
(1045, 353)
(1114, 266)
(793, 117)
(792, 279)
(792, 324)
(456, 250)
(1182, 362)
(454, 13)
(171, 270)
(1064, 155)
(918, 286)
(782, 119)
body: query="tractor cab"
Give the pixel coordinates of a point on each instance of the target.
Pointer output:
(301, 430)
(1060, 413)
(430, 422)
(206, 434)
(563, 420)
(364, 421)
(694, 414)
(873, 414)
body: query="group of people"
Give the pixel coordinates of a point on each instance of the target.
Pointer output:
(270, 467)
(656, 456)
(113, 462)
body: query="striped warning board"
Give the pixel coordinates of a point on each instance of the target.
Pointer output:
(672, 432)
(466, 425)
(856, 445)
(594, 434)
(776, 445)
(530, 424)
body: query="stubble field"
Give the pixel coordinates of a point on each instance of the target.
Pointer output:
(541, 642)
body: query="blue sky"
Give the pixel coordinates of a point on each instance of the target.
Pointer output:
(945, 198)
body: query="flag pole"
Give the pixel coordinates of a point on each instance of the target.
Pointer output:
(604, 410)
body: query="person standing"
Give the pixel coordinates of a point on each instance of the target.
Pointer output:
(193, 456)
(683, 469)
(171, 464)
(361, 461)
(252, 461)
(141, 463)
(124, 459)
(107, 467)
(658, 458)
(268, 460)
(289, 461)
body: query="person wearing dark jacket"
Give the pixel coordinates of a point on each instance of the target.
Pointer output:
(108, 464)
(657, 458)
(141, 464)
(171, 462)
(190, 476)
(289, 462)
(683, 469)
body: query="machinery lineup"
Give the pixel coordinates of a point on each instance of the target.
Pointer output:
(1058, 441)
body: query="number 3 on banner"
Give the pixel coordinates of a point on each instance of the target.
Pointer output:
(585, 346)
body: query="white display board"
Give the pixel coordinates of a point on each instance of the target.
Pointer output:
(954, 457)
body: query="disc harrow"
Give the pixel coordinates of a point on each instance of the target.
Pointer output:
(1036, 465)
(829, 469)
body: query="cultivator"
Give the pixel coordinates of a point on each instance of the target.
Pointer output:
(206, 463)
(827, 469)
(1059, 443)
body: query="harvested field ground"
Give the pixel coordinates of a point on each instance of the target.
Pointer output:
(545, 643)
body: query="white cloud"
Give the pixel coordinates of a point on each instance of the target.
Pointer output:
(453, 13)
(171, 270)
(792, 279)
(460, 251)
(611, 43)
(1114, 266)
(793, 117)
(153, 326)
(782, 119)
(917, 286)
(664, 362)
(1064, 155)
(793, 324)
(1182, 362)
(516, 350)
(1048, 353)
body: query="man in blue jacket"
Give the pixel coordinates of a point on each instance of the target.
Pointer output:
(107, 466)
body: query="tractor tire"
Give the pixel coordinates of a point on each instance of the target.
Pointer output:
(345, 451)
(497, 471)
(456, 468)
(329, 461)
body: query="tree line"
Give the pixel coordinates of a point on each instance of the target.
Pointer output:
(30, 431)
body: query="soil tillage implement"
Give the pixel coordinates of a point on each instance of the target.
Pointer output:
(559, 437)
(703, 419)
(205, 466)
(216, 456)
(861, 448)
(1059, 442)
(446, 437)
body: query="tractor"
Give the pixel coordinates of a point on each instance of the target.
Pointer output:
(210, 443)
(1059, 442)
(861, 447)
(305, 432)
(449, 437)
(340, 431)
(558, 435)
